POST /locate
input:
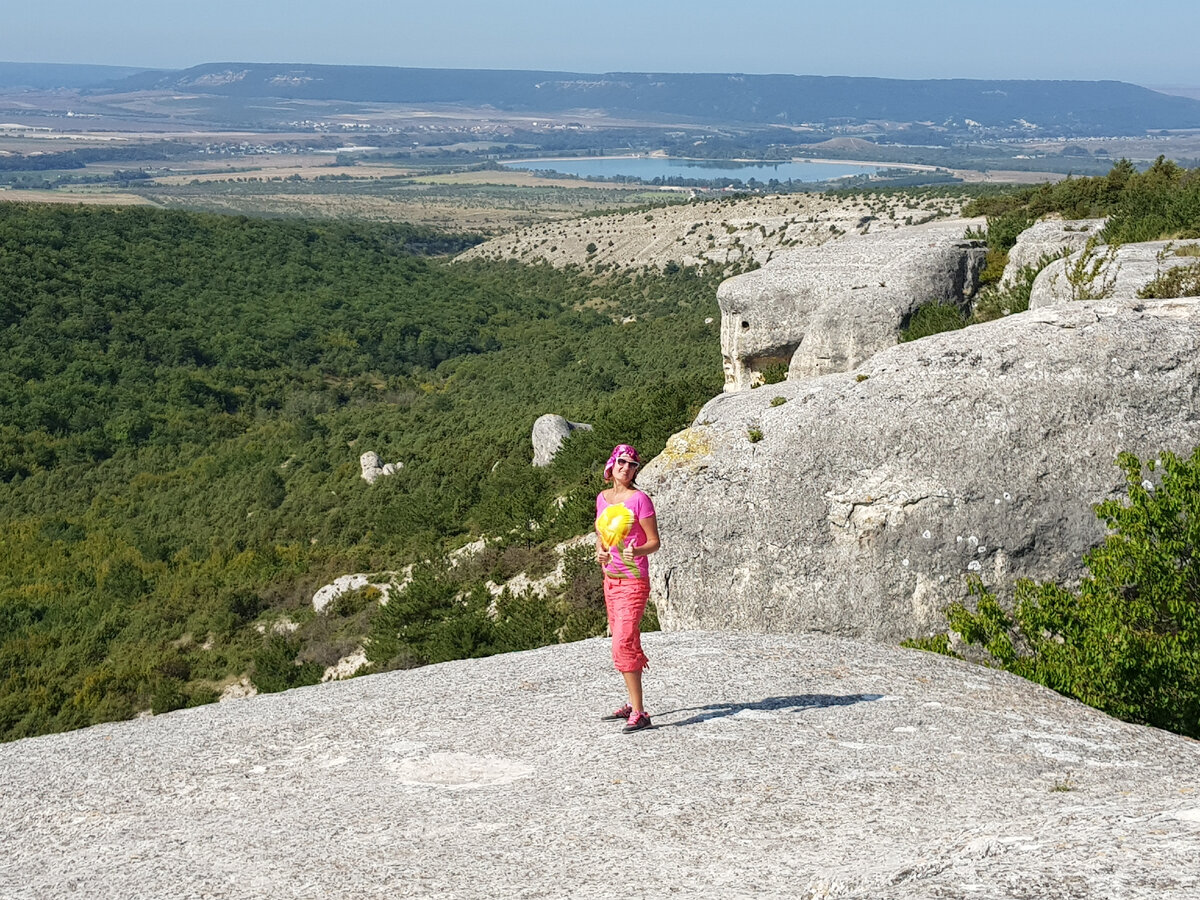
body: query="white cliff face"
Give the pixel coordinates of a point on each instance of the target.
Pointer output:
(800, 765)
(858, 503)
(825, 309)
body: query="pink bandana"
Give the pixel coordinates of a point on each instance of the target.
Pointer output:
(620, 450)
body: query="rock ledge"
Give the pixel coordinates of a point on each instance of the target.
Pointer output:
(784, 766)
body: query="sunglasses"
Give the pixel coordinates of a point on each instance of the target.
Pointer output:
(628, 462)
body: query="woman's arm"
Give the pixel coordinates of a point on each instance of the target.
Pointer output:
(652, 543)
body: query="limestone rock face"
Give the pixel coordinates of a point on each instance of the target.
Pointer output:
(241, 689)
(1048, 238)
(373, 467)
(779, 766)
(858, 503)
(1120, 271)
(714, 232)
(549, 431)
(825, 309)
(347, 666)
(347, 583)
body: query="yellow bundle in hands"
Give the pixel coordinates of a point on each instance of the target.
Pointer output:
(614, 523)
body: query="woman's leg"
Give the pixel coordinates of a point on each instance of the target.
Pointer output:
(626, 603)
(633, 684)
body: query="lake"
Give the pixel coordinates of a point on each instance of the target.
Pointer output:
(648, 168)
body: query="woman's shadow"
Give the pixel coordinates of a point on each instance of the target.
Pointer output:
(770, 704)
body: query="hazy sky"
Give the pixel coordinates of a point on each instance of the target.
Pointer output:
(1150, 43)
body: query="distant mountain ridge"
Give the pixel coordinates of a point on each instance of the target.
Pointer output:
(1067, 107)
(48, 76)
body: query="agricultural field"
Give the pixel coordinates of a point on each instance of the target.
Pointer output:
(488, 209)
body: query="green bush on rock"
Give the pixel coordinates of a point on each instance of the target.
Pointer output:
(932, 318)
(1127, 641)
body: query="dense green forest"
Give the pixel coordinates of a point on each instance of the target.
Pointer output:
(183, 402)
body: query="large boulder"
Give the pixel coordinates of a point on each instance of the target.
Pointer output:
(1045, 240)
(825, 309)
(1109, 271)
(373, 468)
(549, 431)
(858, 503)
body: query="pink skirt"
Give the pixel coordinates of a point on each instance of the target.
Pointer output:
(625, 599)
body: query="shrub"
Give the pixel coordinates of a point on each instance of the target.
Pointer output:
(168, 695)
(932, 318)
(523, 621)
(994, 302)
(276, 669)
(775, 372)
(1092, 275)
(1003, 229)
(1182, 281)
(1128, 640)
(244, 605)
(351, 603)
(1163, 201)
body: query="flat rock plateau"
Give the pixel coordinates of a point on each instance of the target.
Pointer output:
(779, 766)
(718, 232)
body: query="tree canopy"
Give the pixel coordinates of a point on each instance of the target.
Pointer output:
(183, 402)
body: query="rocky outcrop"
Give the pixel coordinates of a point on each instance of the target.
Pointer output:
(1045, 240)
(826, 309)
(549, 432)
(716, 232)
(347, 666)
(793, 766)
(858, 503)
(348, 583)
(373, 467)
(1109, 271)
(555, 579)
(241, 689)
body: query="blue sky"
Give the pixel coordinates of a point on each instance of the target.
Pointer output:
(1152, 44)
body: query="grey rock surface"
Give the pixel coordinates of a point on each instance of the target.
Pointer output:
(549, 432)
(780, 767)
(373, 468)
(1050, 237)
(711, 232)
(859, 503)
(1110, 272)
(826, 309)
(344, 584)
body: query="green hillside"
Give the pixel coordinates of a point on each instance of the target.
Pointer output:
(183, 402)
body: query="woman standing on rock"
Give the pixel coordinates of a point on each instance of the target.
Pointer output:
(626, 533)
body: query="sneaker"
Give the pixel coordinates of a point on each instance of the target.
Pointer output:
(637, 721)
(622, 713)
